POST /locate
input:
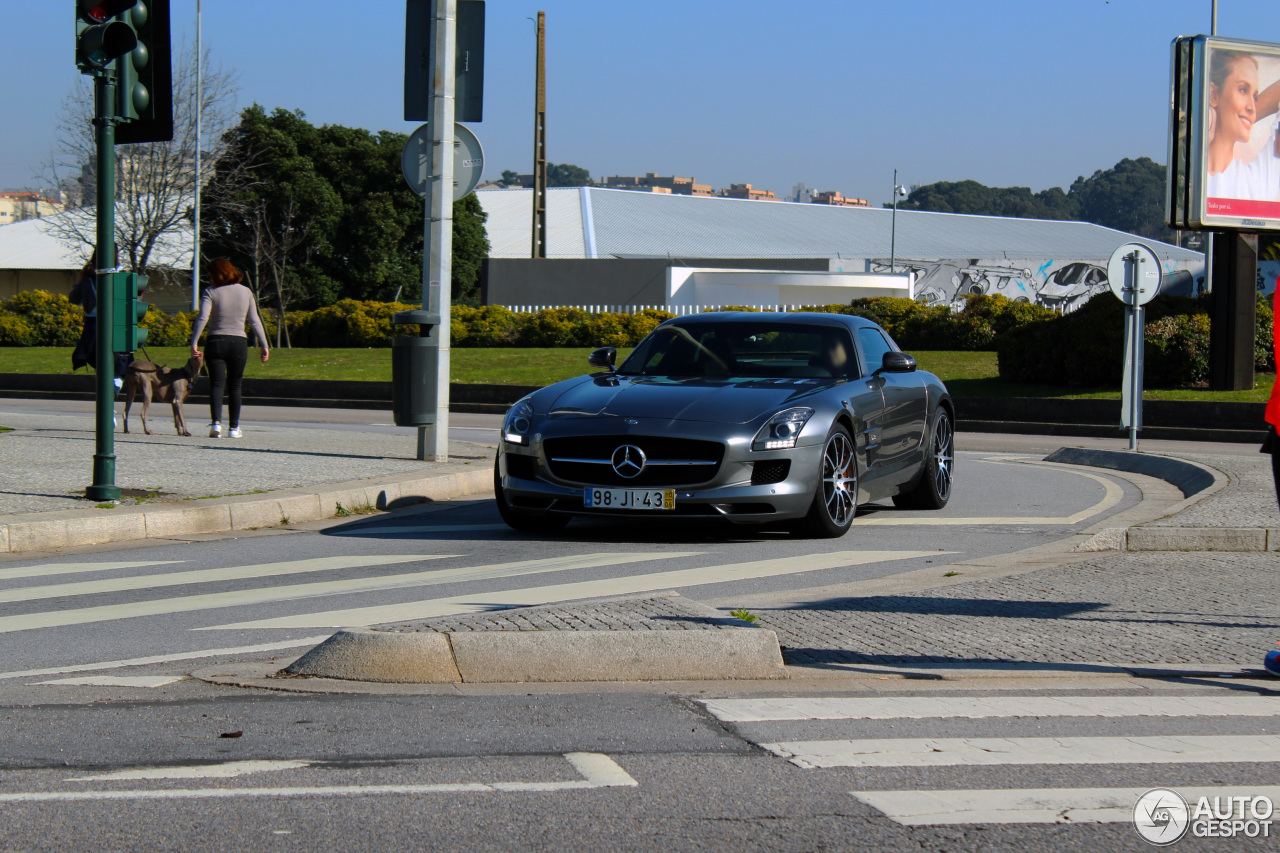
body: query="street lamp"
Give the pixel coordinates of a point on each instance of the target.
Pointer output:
(898, 190)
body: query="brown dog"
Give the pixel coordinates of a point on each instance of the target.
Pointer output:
(162, 384)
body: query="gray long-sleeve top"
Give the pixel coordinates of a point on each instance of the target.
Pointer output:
(225, 310)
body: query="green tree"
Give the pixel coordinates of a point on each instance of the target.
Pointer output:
(328, 207)
(510, 178)
(1129, 197)
(567, 175)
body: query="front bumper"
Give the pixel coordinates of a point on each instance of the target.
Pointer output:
(530, 484)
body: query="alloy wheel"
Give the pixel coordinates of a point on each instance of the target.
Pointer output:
(839, 479)
(943, 456)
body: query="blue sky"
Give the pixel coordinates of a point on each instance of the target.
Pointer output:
(834, 94)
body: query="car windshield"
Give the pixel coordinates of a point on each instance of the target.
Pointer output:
(747, 349)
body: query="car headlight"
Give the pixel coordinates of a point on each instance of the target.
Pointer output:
(519, 420)
(782, 430)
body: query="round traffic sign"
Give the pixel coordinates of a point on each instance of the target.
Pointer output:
(468, 161)
(1134, 273)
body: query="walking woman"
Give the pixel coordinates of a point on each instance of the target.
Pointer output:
(225, 307)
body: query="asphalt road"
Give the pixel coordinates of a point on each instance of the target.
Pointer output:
(108, 745)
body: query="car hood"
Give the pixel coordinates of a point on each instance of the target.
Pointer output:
(731, 401)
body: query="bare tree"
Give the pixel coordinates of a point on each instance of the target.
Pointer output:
(155, 182)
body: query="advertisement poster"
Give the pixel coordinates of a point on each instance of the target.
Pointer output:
(1231, 144)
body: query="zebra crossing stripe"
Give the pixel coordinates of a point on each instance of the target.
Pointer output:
(263, 595)
(229, 573)
(628, 584)
(1029, 805)
(987, 752)
(771, 709)
(45, 570)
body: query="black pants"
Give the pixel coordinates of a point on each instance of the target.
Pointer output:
(1272, 446)
(226, 356)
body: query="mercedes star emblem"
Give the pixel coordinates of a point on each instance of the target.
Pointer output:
(628, 461)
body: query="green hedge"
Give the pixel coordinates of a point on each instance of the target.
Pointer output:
(1033, 344)
(37, 318)
(1085, 348)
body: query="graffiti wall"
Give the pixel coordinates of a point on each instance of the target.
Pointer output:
(1063, 285)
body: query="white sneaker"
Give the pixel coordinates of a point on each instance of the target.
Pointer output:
(235, 433)
(119, 383)
(215, 430)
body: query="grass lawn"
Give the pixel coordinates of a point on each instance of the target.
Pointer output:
(494, 366)
(967, 374)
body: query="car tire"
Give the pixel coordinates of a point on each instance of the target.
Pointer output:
(835, 501)
(934, 489)
(523, 520)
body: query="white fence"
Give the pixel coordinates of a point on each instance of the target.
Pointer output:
(678, 310)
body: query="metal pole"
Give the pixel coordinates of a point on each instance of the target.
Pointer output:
(104, 458)
(195, 260)
(1208, 248)
(540, 144)
(433, 441)
(893, 230)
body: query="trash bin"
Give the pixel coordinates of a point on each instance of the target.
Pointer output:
(414, 364)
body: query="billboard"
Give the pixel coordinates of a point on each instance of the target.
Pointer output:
(1224, 152)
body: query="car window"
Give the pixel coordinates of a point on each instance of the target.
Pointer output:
(766, 349)
(874, 346)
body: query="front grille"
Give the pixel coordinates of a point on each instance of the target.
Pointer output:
(773, 471)
(587, 460)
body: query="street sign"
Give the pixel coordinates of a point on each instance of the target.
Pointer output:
(1134, 275)
(468, 161)
(1142, 273)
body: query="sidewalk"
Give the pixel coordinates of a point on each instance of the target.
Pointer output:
(181, 486)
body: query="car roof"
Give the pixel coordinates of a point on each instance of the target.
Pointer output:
(797, 318)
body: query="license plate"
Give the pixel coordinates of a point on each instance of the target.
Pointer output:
(629, 498)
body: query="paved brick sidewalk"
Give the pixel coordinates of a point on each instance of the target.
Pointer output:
(47, 460)
(1249, 499)
(669, 612)
(1152, 607)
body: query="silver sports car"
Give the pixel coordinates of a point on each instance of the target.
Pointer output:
(753, 418)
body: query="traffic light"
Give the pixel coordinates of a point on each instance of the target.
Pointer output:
(99, 37)
(128, 311)
(144, 85)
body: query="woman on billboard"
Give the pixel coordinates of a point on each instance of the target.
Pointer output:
(1235, 105)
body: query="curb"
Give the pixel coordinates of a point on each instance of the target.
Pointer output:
(1233, 539)
(1189, 478)
(508, 657)
(45, 531)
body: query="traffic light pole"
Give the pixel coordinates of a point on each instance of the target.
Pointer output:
(433, 441)
(104, 486)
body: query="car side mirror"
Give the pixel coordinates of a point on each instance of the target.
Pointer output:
(603, 357)
(897, 362)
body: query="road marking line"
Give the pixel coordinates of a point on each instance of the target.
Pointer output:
(149, 682)
(229, 573)
(225, 770)
(1113, 494)
(1029, 805)
(299, 643)
(600, 771)
(484, 601)
(974, 707)
(18, 572)
(950, 752)
(373, 530)
(264, 595)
